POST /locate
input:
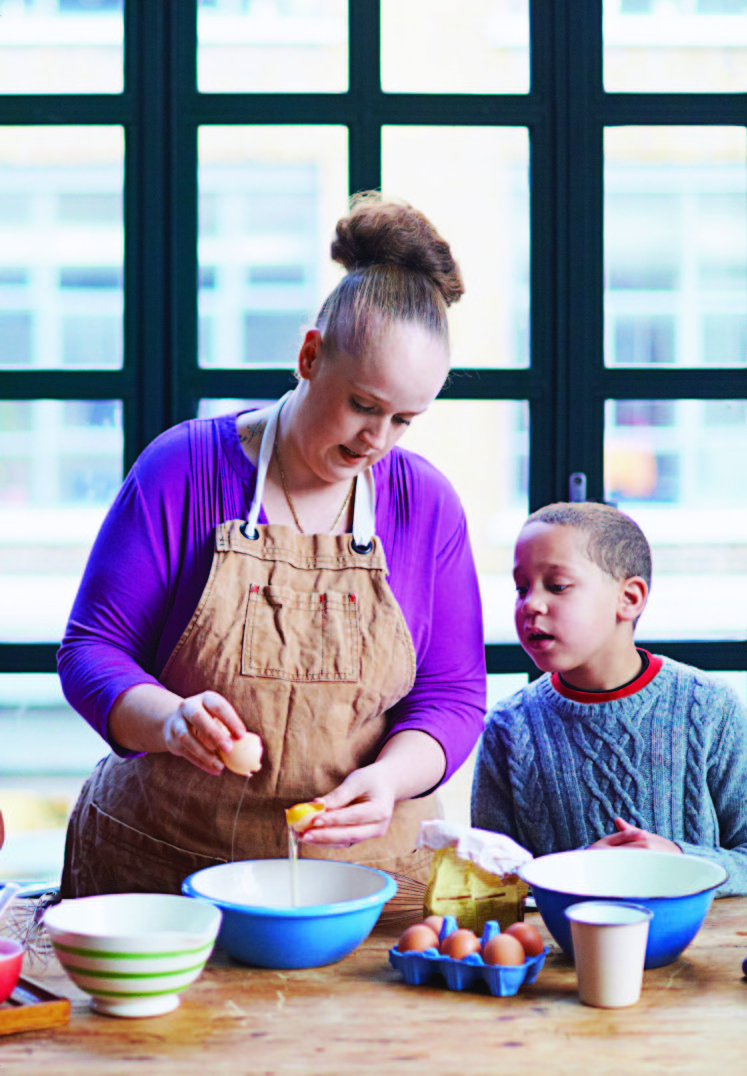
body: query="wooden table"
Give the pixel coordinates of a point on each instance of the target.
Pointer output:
(359, 1017)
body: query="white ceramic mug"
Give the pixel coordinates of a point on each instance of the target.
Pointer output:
(609, 947)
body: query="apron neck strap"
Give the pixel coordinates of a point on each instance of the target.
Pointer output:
(364, 512)
(364, 506)
(265, 455)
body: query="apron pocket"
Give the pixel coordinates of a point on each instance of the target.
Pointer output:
(304, 637)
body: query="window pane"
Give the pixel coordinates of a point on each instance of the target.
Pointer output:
(276, 46)
(676, 246)
(61, 247)
(67, 46)
(737, 681)
(436, 46)
(60, 467)
(48, 751)
(42, 736)
(269, 201)
(491, 484)
(675, 46)
(486, 223)
(677, 467)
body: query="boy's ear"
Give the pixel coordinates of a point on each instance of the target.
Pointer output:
(632, 598)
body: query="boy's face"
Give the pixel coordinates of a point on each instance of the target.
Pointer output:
(571, 616)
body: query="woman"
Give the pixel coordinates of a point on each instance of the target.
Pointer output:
(240, 582)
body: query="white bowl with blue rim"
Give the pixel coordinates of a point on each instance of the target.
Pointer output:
(338, 906)
(134, 953)
(678, 889)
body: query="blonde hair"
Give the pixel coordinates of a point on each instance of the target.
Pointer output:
(398, 269)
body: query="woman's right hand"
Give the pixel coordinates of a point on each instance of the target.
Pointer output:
(150, 718)
(200, 727)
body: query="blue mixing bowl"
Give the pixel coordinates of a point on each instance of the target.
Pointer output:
(678, 889)
(338, 906)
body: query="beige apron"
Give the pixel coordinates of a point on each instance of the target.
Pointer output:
(302, 634)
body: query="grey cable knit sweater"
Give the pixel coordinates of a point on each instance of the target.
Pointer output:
(671, 758)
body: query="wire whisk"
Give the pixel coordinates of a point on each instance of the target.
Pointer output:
(24, 922)
(406, 906)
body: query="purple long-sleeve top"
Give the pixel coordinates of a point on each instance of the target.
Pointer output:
(151, 560)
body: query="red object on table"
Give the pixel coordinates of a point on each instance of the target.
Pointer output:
(11, 958)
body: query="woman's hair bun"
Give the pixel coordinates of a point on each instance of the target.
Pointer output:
(384, 232)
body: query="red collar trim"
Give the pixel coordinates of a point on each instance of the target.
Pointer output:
(654, 666)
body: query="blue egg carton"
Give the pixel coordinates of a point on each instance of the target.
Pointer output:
(502, 980)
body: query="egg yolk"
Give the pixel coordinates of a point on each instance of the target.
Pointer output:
(302, 815)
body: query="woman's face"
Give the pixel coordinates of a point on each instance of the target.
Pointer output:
(354, 408)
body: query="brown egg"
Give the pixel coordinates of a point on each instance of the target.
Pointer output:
(503, 949)
(417, 938)
(435, 922)
(460, 943)
(245, 756)
(530, 939)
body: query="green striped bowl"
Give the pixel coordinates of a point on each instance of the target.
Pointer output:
(133, 952)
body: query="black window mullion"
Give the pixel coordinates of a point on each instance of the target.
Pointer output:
(180, 252)
(720, 656)
(580, 406)
(548, 252)
(66, 384)
(682, 383)
(28, 657)
(671, 109)
(364, 94)
(146, 354)
(488, 383)
(26, 110)
(508, 658)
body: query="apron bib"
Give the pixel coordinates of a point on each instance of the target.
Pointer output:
(303, 636)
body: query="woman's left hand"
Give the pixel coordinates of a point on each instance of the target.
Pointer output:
(628, 836)
(358, 809)
(361, 807)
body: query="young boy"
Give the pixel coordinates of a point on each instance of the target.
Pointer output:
(613, 747)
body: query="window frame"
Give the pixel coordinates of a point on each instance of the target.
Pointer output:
(565, 112)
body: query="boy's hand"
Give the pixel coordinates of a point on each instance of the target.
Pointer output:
(628, 836)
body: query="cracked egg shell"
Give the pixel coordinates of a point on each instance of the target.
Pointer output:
(245, 757)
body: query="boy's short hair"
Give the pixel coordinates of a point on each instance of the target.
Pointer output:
(616, 543)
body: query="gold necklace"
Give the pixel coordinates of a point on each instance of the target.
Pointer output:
(286, 491)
